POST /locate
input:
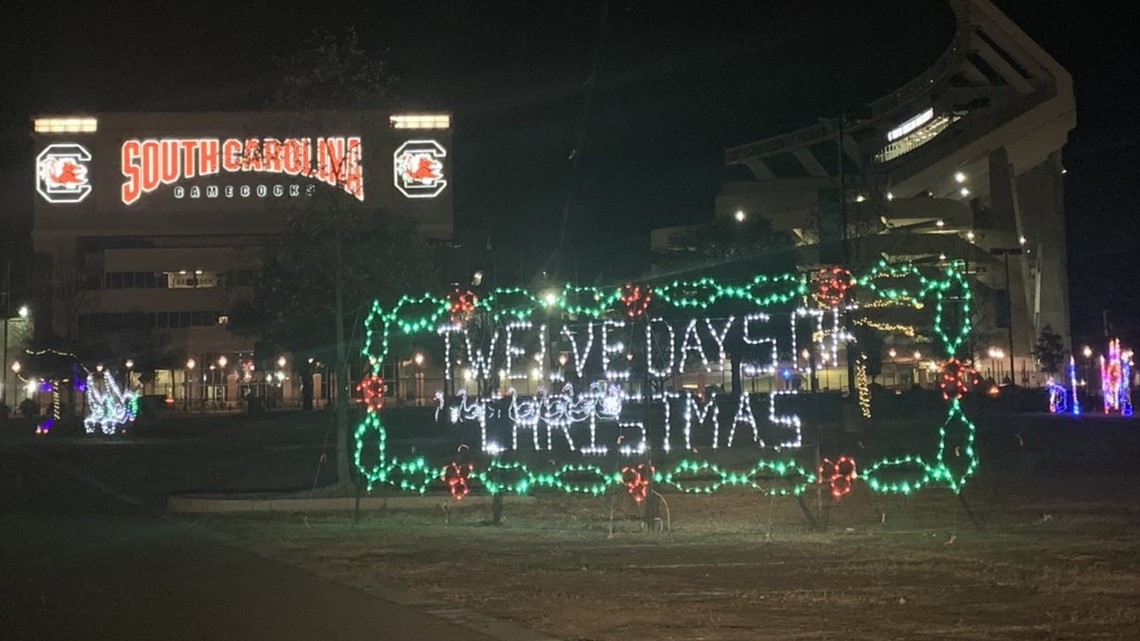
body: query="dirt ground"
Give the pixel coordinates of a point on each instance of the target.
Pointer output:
(735, 566)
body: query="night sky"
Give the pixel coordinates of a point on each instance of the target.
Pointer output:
(677, 83)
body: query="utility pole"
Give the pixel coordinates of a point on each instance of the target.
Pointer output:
(646, 397)
(842, 193)
(852, 393)
(342, 474)
(7, 308)
(1009, 299)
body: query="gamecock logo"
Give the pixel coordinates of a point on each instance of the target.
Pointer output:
(418, 168)
(61, 173)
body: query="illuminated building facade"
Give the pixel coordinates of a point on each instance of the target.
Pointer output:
(962, 163)
(154, 223)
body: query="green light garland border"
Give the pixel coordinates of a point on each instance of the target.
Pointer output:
(903, 475)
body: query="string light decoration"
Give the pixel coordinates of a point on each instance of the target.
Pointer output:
(108, 406)
(906, 330)
(636, 479)
(372, 388)
(832, 285)
(863, 386)
(950, 465)
(457, 476)
(955, 446)
(1058, 397)
(839, 475)
(957, 379)
(636, 299)
(461, 304)
(1063, 399)
(1116, 380)
(48, 423)
(1076, 404)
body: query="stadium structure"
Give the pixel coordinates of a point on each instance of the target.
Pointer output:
(962, 163)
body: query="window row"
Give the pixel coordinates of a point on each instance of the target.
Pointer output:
(148, 320)
(177, 280)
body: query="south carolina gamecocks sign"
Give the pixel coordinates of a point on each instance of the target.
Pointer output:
(61, 173)
(418, 168)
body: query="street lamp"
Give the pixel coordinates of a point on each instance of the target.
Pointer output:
(6, 310)
(418, 359)
(739, 215)
(190, 364)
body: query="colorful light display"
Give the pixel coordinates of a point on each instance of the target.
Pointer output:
(108, 407)
(457, 476)
(636, 299)
(636, 479)
(838, 475)
(1076, 409)
(462, 304)
(833, 284)
(48, 423)
(1116, 380)
(570, 420)
(1058, 397)
(372, 389)
(1061, 399)
(957, 379)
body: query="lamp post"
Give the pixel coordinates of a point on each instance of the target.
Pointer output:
(419, 361)
(1087, 353)
(190, 363)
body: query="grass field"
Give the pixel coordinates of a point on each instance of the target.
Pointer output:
(743, 566)
(1057, 555)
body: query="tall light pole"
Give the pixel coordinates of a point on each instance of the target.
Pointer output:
(1009, 301)
(6, 309)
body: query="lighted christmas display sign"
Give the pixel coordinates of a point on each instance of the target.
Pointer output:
(108, 406)
(580, 374)
(150, 164)
(62, 173)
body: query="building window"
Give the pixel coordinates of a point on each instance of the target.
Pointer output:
(916, 138)
(147, 320)
(186, 279)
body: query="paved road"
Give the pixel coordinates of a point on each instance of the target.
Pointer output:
(78, 563)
